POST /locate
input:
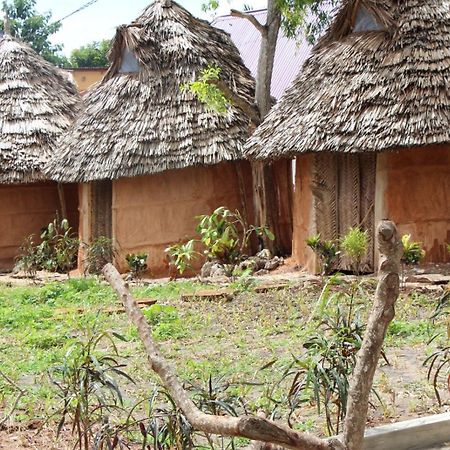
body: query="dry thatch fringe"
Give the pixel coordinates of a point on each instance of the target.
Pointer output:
(143, 123)
(367, 91)
(37, 103)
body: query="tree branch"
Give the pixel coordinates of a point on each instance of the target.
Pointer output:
(273, 435)
(254, 428)
(382, 313)
(249, 109)
(251, 18)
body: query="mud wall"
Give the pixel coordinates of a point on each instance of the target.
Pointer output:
(413, 190)
(303, 215)
(154, 211)
(25, 209)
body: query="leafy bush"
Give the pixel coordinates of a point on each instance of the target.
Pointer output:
(97, 254)
(439, 361)
(166, 427)
(413, 252)
(226, 234)
(327, 251)
(137, 263)
(57, 251)
(354, 245)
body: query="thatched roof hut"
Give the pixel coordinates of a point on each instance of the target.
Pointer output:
(151, 155)
(140, 120)
(377, 81)
(37, 104)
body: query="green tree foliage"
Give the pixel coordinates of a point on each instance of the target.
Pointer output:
(91, 55)
(309, 17)
(34, 28)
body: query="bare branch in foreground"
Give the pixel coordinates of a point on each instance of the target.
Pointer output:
(270, 435)
(382, 314)
(254, 428)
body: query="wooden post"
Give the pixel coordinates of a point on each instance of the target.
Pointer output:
(62, 200)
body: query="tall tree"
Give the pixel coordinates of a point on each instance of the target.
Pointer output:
(34, 28)
(292, 17)
(91, 55)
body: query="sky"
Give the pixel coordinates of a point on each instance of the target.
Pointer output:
(100, 20)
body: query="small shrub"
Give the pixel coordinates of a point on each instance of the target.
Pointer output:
(182, 255)
(322, 373)
(413, 252)
(28, 259)
(137, 263)
(354, 245)
(327, 251)
(57, 251)
(97, 254)
(87, 385)
(224, 234)
(166, 427)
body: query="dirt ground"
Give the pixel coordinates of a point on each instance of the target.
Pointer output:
(396, 382)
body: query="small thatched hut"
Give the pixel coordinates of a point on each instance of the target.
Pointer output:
(368, 119)
(149, 155)
(37, 104)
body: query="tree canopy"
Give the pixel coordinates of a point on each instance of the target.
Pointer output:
(34, 28)
(94, 54)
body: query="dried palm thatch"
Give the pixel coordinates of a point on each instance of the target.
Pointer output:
(138, 120)
(375, 89)
(37, 103)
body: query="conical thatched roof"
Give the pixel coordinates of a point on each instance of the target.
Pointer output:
(138, 120)
(379, 79)
(37, 103)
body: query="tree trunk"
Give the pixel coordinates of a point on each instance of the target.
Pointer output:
(264, 199)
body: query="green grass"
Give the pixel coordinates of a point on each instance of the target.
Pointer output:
(201, 337)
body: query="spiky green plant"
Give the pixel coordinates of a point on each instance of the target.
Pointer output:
(355, 245)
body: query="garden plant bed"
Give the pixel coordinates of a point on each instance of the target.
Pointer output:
(231, 339)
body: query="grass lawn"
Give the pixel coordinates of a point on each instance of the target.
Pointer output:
(246, 344)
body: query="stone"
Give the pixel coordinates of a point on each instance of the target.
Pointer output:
(217, 270)
(206, 269)
(273, 263)
(261, 272)
(264, 254)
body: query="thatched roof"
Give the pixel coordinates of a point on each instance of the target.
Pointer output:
(378, 80)
(141, 122)
(37, 103)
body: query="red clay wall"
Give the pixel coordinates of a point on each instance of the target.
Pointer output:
(154, 211)
(414, 191)
(303, 224)
(25, 209)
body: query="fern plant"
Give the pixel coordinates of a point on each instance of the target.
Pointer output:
(413, 252)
